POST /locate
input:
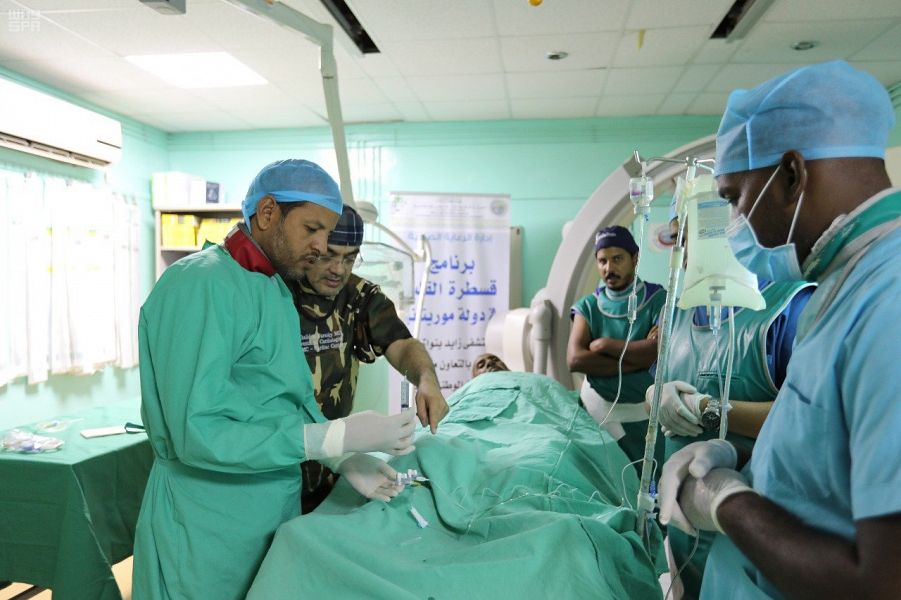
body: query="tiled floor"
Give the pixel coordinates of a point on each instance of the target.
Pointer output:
(20, 591)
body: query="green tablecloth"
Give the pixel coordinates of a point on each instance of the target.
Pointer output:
(67, 516)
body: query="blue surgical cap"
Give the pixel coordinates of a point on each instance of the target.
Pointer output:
(349, 230)
(827, 110)
(292, 180)
(615, 236)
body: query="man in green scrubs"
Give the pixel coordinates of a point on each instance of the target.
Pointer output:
(599, 333)
(228, 402)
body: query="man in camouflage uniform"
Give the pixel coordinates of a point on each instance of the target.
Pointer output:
(345, 319)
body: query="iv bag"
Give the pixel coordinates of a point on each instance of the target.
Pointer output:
(713, 276)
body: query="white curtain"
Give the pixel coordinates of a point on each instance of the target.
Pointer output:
(69, 252)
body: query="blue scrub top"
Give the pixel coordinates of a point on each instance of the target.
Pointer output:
(830, 452)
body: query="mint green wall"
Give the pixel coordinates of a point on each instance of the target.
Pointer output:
(548, 167)
(144, 151)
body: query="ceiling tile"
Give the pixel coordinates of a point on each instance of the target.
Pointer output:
(553, 108)
(310, 95)
(839, 10)
(649, 14)
(642, 81)
(676, 104)
(360, 91)
(464, 111)
(631, 105)
(275, 118)
(371, 113)
(413, 111)
(138, 31)
(232, 27)
(26, 37)
(586, 51)
(396, 89)
(771, 42)
(459, 87)
(132, 102)
(518, 18)
(717, 52)
(372, 65)
(409, 20)
(696, 77)
(302, 65)
(445, 57)
(708, 104)
(247, 99)
(744, 76)
(550, 85)
(660, 47)
(887, 44)
(205, 120)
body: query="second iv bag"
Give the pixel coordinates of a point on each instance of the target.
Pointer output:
(713, 276)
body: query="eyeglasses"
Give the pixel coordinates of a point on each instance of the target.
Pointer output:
(348, 262)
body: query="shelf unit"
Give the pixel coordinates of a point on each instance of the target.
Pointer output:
(166, 255)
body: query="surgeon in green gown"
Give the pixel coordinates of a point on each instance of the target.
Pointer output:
(227, 397)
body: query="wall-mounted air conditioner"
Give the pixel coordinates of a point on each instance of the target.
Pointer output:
(37, 123)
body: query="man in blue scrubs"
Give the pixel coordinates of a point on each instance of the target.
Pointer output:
(817, 511)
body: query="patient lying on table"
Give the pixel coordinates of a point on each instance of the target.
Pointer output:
(525, 498)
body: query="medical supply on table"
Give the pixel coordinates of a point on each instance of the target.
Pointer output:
(54, 425)
(25, 442)
(114, 430)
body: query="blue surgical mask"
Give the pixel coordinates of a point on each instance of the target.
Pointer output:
(779, 263)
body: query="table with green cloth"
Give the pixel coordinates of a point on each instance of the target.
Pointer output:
(528, 498)
(67, 516)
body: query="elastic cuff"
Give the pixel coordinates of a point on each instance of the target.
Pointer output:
(323, 440)
(335, 463)
(333, 444)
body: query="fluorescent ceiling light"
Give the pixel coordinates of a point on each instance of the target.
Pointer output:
(198, 70)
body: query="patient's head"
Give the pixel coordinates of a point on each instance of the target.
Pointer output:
(488, 363)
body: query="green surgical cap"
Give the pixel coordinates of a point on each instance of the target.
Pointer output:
(827, 110)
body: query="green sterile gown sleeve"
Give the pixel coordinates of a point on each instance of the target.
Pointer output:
(225, 394)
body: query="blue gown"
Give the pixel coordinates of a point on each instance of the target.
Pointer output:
(830, 451)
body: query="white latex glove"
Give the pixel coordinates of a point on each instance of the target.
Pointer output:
(675, 417)
(699, 499)
(696, 460)
(371, 476)
(369, 431)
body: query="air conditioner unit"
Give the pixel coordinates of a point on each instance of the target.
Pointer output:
(37, 123)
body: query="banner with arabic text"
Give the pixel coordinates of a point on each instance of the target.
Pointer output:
(469, 276)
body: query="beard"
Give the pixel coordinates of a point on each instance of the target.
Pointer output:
(286, 265)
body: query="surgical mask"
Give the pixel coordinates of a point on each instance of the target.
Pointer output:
(779, 263)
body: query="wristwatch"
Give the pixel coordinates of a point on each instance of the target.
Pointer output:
(710, 418)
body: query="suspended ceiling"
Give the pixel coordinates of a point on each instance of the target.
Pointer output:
(440, 60)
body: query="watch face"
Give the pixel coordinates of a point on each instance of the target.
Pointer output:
(710, 420)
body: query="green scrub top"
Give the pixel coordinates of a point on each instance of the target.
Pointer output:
(226, 391)
(608, 317)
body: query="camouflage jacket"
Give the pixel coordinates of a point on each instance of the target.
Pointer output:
(337, 333)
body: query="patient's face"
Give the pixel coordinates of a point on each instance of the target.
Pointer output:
(488, 363)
